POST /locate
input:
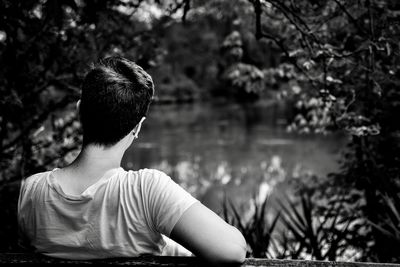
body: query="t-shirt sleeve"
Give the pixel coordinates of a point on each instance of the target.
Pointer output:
(166, 201)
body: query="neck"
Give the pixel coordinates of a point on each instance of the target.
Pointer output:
(98, 158)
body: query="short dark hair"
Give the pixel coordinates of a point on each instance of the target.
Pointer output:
(116, 94)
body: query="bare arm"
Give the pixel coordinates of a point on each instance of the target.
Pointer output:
(205, 234)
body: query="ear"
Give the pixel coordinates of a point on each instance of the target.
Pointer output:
(137, 128)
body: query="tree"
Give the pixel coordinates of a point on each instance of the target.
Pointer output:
(45, 49)
(346, 55)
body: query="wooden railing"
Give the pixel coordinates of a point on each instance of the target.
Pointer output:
(37, 260)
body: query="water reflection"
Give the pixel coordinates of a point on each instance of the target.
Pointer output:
(212, 149)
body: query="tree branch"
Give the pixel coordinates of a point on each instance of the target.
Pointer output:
(279, 42)
(305, 33)
(185, 4)
(40, 118)
(352, 19)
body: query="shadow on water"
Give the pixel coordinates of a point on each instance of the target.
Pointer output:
(213, 148)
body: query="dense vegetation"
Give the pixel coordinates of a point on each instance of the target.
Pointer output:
(336, 61)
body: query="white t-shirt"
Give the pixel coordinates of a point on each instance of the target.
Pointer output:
(124, 214)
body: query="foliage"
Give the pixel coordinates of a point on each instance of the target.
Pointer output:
(346, 57)
(336, 61)
(323, 236)
(245, 80)
(246, 77)
(257, 231)
(389, 224)
(344, 75)
(294, 232)
(45, 49)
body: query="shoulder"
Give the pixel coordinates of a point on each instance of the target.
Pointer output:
(150, 181)
(153, 173)
(148, 175)
(37, 176)
(146, 179)
(30, 185)
(35, 179)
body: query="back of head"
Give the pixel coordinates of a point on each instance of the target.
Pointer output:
(116, 94)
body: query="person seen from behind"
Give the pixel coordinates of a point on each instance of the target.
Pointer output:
(94, 209)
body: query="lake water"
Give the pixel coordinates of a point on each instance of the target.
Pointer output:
(213, 149)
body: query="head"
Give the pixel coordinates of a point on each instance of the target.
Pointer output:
(116, 94)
